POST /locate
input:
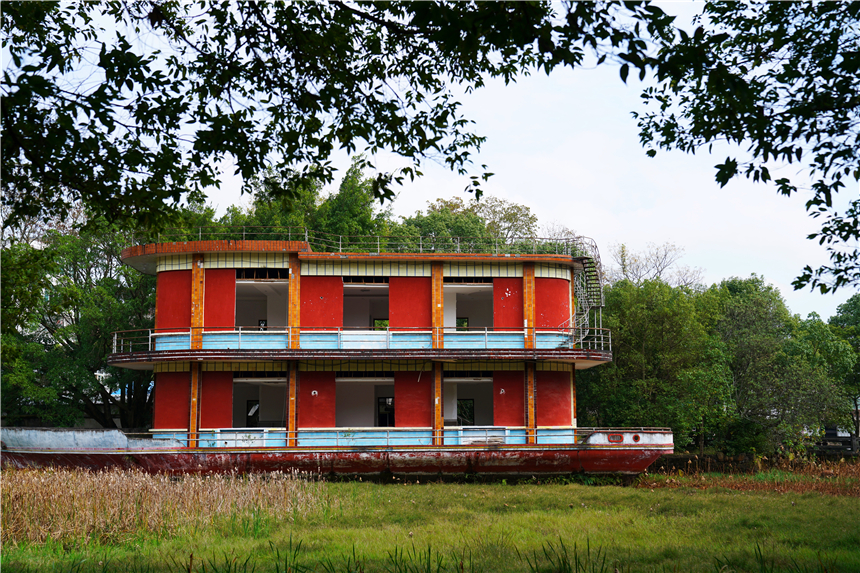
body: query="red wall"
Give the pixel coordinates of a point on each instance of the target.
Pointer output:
(173, 299)
(552, 399)
(508, 303)
(172, 404)
(322, 302)
(219, 297)
(316, 411)
(509, 408)
(216, 400)
(413, 399)
(410, 302)
(552, 303)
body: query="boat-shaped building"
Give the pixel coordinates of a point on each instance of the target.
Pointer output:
(357, 355)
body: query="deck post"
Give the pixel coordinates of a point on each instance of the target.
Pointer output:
(529, 304)
(197, 294)
(438, 301)
(438, 412)
(295, 301)
(530, 404)
(194, 414)
(292, 391)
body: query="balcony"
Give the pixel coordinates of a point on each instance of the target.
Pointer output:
(356, 339)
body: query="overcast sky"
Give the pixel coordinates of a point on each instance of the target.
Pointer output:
(567, 147)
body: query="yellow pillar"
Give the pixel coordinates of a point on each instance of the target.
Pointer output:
(438, 301)
(295, 303)
(194, 417)
(530, 403)
(438, 413)
(529, 303)
(197, 296)
(291, 404)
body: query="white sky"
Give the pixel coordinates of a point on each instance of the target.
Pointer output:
(567, 147)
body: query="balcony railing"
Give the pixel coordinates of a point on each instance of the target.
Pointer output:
(477, 436)
(320, 242)
(346, 338)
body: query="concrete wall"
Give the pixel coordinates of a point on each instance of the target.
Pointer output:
(508, 303)
(322, 303)
(552, 302)
(216, 400)
(172, 404)
(509, 403)
(173, 299)
(553, 395)
(409, 302)
(219, 297)
(317, 400)
(413, 399)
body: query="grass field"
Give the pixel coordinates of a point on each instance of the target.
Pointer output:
(805, 519)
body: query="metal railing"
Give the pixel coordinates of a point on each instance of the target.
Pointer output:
(468, 436)
(356, 338)
(576, 246)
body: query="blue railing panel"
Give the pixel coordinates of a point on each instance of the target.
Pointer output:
(411, 340)
(556, 436)
(172, 342)
(552, 340)
(319, 340)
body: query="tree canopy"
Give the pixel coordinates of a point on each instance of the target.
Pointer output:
(127, 107)
(783, 80)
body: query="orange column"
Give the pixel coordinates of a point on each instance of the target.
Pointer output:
(292, 391)
(197, 296)
(194, 418)
(198, 289)
(438, 414)
(529, 304)
(438, 299)
(295, 303)
(530, 403)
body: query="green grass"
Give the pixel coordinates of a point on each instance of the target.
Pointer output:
(368, 527)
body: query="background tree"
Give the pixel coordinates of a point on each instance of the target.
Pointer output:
(267, 84)
(656, 262)
(783, 80)
(662, 373)
(57, 370)
(846, 324)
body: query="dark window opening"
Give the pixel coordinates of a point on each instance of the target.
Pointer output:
(467, 374)
(468, 280)
(255, 374)
(252, 417)
(364, 374)
(365, 280)
(463, 323)
(262, 274)
(385, 412)
(466, 412)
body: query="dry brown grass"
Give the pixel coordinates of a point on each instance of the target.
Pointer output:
(66, 506)
(827, 477)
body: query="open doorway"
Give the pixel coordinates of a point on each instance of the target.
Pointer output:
(261, 303)
(468, 307)
(365, 304)
(260, 402)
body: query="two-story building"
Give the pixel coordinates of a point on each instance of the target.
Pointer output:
(370, 354)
